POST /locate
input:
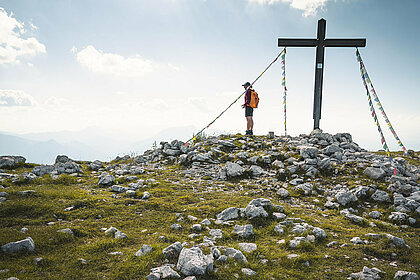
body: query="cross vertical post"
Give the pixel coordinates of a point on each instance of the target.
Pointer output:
(319, 72)
(320, 43)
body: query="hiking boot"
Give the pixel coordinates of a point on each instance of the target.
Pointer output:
(248, 132)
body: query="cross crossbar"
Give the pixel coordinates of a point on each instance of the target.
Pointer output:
(320, 43)
(282, 42)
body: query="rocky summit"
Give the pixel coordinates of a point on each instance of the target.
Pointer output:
(314, 206)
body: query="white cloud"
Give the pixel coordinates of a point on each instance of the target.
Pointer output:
(12, 45)
(114, 64)
(309, 7)
(54, 101)
(9, 98)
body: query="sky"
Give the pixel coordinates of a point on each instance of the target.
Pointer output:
(136, 67)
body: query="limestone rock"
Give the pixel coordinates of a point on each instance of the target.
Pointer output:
(345, 197)
(381, 196)
(234, 170)
(228, 214)
(374, 173)
(25, 245)
(245, 231)
(163, 272)
(193, 262)
(248, 247)
(367, 274)
(105, 179)
(172, 251)
(405, 275)
(144, 250)
(248, 272)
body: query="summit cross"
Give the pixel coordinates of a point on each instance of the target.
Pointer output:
(320, 43)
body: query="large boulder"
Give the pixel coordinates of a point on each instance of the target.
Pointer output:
(106, 179)
(234, 170)
(25, 245)
(405, 275)
(367, 274)
(194, 262)
(381, 196)
(144, 250)
(345, 197)
(42, 169)
(245, 231)
(256, 170)
(308, 151)
(331, 149)
(375, 173)
(228, 214)
(252, 212)
(172, 251)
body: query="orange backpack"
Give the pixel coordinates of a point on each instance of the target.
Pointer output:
(253, 103)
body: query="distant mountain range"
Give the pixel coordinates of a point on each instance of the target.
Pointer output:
(88, 144)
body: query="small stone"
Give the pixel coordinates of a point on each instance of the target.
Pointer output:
(248, 272)
(206, 222)
(66, 231)
(146, 195)
(120, 235)
(356, 240)
(176, 227)
(245, 231)
(279, 216)
(130, 193)
(144, 250)
(197, 227)
(248, 247)
(216, 233)
(375, 214)
(292, 256)
(111, 231)
(117, 253)
(172, 251)
(192, 218)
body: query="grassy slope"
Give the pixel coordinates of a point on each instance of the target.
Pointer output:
(145, 221)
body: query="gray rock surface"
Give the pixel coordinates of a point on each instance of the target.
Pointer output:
(248, 247)
(105, 179)
(172, 251)
(245, 231)
(228, 214)
(405, 275)
(144, 250)
(367, 274)
(25, 245)
(345, 197)
(374, 173)
(194, 262)
(381, 196)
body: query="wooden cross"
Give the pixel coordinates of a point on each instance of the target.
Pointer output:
(320, 43)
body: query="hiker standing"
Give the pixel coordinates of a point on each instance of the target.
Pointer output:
(249, 108)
